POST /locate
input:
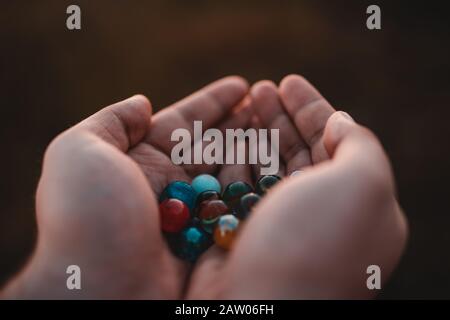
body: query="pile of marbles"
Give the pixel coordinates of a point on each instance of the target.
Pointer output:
(195, 216)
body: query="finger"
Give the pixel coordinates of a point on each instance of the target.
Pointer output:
(238, 171)
(356, 150)
(157, 167)
(209, 105)
(308, 110)
(267, 105)
(256, 168)
(263, 144)
(207, 280)
(239, 118)
(122, 124)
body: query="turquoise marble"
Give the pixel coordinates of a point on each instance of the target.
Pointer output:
(205, 182)
(192, 243)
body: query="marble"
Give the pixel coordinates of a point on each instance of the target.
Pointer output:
(205, 182)
(210, 212)
(174, 215)
(192, 243)
(264, 183)
(246, 203)
(225, 231)
(182, 191)
(233, 193)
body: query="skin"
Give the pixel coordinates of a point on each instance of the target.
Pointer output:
(96, 203)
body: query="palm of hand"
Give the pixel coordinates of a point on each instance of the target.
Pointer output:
(308, 247)
(96, 204)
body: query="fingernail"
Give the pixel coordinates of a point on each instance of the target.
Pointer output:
(346, 116)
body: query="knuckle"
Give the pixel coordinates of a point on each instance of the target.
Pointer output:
(144, 100)
(56, 145)
(67, 144)
(294, 77)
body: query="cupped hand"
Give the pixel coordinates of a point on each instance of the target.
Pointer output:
(96, 200)
(314, 234)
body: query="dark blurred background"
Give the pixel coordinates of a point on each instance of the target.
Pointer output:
(395, 81)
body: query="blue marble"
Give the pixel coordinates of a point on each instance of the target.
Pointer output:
(246, 203)
(265, 183)
(192, 243)
(182, 191)
(233, 193)
(206, 182)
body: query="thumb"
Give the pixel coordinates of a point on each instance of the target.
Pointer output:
(357, 150)
(122, 124)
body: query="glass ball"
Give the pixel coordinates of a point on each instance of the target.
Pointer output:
(265, 183)
(233, 193)
(247, 202)
(209, 213)
(226, 231)
(174, 215)
(182, 191)
(207, 196)
(192, 243)
(206, 182)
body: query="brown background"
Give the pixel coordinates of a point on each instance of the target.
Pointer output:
(396, 81)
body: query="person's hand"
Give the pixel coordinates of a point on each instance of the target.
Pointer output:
(96, 200)
(314, 234)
